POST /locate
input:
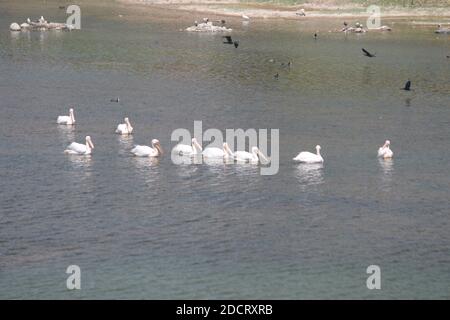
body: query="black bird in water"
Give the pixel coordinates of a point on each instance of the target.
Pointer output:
(61, 7)
(230, 41)
(315, 36)
(115, 100)
(367, 53)
(407, 86)
(276, 76)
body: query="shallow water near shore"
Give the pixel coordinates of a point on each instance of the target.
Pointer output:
(156, 230)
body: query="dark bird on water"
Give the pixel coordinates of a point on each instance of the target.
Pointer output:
(276, 76)
(367, 53)
(61, 7)
(115, 100)
(288, 65)
(230, 41)
(345, 24)
(407, 86)
(315, 36)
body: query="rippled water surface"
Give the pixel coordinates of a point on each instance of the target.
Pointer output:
(153, 229)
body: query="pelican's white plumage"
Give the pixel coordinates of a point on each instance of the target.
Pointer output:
(185, 150)
(385, 151)
(144, 151)
(253, 157)
(68, 120)
(245, 17)
(124, 128)
(309, 157)
(81, 149)
(214, 152)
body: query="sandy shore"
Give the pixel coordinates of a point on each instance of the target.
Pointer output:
(270, 10)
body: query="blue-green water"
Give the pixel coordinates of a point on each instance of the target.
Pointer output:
(157, 230)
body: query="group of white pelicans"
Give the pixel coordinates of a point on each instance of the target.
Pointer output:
(156, 150)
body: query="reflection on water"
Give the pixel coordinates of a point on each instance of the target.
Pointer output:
(145, 163)
(309, 175)
(245, 169)
(80, 161)
(408, 102)
(81, 169)
(67, 133)
(214, 162)
(387, 166)
(125, 143)
(15, 35)
(147, 168)
(178, 159)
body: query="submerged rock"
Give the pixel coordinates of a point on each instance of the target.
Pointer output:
(382, 28)
(207, 27)
(354, 29)
(443, 30)
(40, 24)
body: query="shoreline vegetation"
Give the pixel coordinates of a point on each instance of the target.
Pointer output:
(287, 9)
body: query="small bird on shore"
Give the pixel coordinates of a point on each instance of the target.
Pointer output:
(286, 65)
(367, 53)
(407, 86)
(345, 24)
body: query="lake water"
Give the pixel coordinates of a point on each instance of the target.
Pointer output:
(156, 230)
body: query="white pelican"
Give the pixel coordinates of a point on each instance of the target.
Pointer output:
(78, 148)
(245, 17)
(385, 151)
(144, 151)
(69, 120)
(308, 157)
(253, 157)
(186, 150)
(214, 152)
(125, 128)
